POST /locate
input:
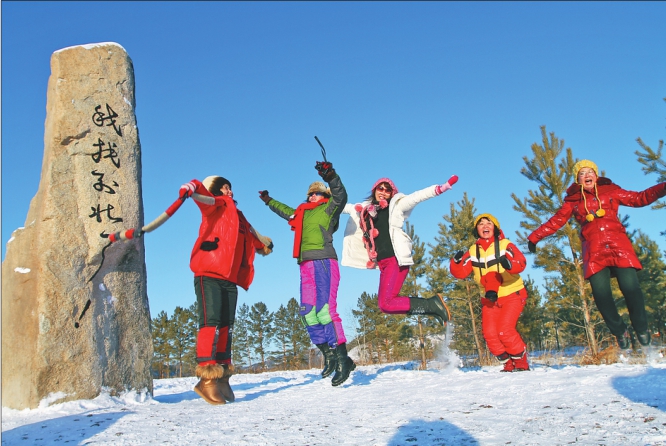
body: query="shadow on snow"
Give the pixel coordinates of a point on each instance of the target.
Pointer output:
(648, 388)
(432, 433)
(73, 428)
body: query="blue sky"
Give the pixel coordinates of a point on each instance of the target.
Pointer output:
(413, 91)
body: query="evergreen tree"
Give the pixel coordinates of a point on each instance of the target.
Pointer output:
(260, 331)
(291, 336)
(183, 329)
(411, 287)
(298, 337)
(560, 253)
(240, 342)
(653, 162)
(162, 348)
(653, 281)
(281, 337)
(464, 296)
(367, 315)
(531, 324)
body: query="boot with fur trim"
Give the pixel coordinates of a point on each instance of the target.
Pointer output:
(223, 383)
(207, 387)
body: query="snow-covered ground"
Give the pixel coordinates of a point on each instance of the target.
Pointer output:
(392, 404)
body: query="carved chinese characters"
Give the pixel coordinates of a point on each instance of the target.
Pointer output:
(63, 332)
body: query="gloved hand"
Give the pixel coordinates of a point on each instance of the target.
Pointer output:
(187, 189)
(325, 170)
(446, 186)
(458, 256)
(505, 262)
(491, 295)
(263, 195)
(531, 246)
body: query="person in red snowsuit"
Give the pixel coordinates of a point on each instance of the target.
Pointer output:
(221, 260)
(496, 264)
(607, 251)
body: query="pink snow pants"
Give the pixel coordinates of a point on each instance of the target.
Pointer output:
(391, 278)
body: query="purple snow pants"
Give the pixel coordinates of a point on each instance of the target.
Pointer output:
(319, 301)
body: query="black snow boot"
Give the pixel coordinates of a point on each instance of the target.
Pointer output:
(432, 306)
(623, 341)
(345, 365)
(644, 338)
(330, 360)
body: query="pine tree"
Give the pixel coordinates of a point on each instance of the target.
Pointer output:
(260, 331)
(240, 342)
(652, 279)
(298, 337)
(282, 328)
(291, 336)
(653, 162)
(532, 320)
(464, 296)
(561, 252)
(162, 348)
(367, 315)
(411, 287)
(184, 334)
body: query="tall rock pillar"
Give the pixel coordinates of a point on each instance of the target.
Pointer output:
(65, 336)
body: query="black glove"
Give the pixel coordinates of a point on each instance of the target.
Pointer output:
(531, 246)
(491, 295)
(458, 257)
(263, 194)
(325, 170)
(505, 262)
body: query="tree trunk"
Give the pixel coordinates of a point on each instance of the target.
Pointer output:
(477, 341)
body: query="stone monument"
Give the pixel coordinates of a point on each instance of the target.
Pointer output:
(75, 316)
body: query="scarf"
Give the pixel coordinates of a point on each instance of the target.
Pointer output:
(296, 223)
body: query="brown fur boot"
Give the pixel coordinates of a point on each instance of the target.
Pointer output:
(207, 387)
(223, 383)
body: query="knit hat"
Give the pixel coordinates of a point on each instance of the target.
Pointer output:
(584, 163)
(214, 184)
(489, 217)
(387, 181)
(318, 186)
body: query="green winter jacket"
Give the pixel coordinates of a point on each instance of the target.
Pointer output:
(319, 223)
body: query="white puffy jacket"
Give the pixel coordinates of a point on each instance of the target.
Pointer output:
(354, 253)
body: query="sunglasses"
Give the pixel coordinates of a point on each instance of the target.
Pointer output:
(384, 189)
(321, 194)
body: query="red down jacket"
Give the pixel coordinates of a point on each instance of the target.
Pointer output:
(233, 256)
(604, 239)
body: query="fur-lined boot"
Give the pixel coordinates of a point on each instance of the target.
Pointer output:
(223, 383)
(207, 387)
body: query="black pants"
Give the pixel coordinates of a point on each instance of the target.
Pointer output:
(216, 299)
(627, 279)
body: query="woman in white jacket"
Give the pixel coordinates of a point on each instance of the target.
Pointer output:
(374, 238)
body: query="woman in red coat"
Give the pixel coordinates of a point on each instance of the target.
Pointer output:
(221, 260)
(607, 251)
(496, 264)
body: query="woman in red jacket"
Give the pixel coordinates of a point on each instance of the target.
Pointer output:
(222, 259)
(607, 251)
(496, 264)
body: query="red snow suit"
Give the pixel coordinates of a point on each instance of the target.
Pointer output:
(499, 318)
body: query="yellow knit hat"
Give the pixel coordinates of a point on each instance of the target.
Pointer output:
(584, 163)
(489, 217)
